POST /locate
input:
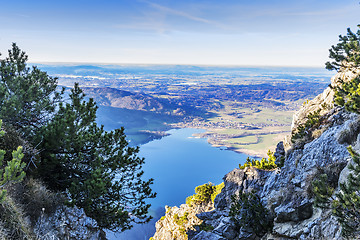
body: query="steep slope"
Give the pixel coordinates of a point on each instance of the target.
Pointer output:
(287, 192)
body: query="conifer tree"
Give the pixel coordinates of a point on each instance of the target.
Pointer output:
(98, 170)
(27, 96)
(347, 51)
(348, 95)
(248, 212)
(345, 204)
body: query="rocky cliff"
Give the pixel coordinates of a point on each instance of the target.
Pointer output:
(287, 192)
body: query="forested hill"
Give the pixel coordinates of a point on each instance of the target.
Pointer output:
(106, 96)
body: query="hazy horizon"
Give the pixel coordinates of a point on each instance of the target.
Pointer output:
(175, 64)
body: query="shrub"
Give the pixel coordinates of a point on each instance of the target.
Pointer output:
(12, 171)
(181, 220)
(304, 131)
(204, 194)
(264, 164)
(248, 212)
(205, 227)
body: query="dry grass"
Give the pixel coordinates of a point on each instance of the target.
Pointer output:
(14, 221)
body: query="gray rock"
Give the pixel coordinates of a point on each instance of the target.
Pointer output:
(207, 236)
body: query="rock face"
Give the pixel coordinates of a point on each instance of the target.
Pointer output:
(180, 220)
(287, 191)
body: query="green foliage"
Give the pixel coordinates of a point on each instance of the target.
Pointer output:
(346, 51)
(247, 211)
(322, 190)
(181, 220)
(348, 95)
(12, 171)
(217, 191)
(345, 205)
(27, 96)
(97, 169)
(204, 194)
(205, 227)
(304, 130)
(264, 164)
(282, 162)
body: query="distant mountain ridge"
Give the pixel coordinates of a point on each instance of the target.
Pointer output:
(111, 97)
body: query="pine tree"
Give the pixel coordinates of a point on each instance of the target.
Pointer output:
(98, 170)
(248, 212)
(27, 96)
(346, 52)
(348, 95)
(345, 204)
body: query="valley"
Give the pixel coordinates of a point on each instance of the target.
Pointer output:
(243, 109)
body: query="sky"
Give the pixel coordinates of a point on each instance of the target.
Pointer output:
(206, 32)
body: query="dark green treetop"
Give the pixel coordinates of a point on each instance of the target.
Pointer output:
(95, 169)
(27, 96)
(347, 51)
(247, 211)
(98, 170)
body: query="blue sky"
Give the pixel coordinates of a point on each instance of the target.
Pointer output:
(216, 32)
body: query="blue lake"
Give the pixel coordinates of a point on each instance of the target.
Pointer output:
(178, 163)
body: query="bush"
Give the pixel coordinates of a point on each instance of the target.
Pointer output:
(205, 227)
(248, 212)
(264, 164)
(304, 131)
(11, 171)
(204, 194)
(181, 220)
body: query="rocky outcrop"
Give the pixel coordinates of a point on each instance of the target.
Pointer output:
(179, 222)
(287, 192)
